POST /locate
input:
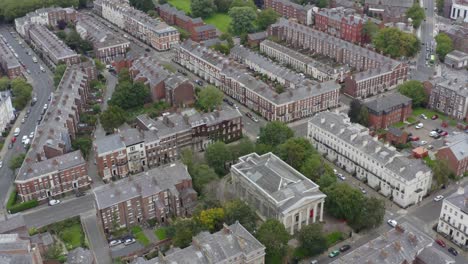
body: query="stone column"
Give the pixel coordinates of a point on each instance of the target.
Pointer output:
(315, 213)
(292, 224)
(300, 220)
(308, 215)
(321, 211)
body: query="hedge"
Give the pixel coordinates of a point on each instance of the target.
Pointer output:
(23, 206)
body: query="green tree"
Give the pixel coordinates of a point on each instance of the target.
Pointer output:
(82, 3)
(58, 73)
(152, 13)
(295, 151)
(327, 179)
(129, 95)
(274, 237)
(371, 216)
(202, 8)
(274, 134)
(369, 30)
(344, 202)
(223, 48)
(440, 6)
(22, 92)
(444, 45)
(266, 17)
(364, 116)
(243, 3)
(440, 171)
(202, 175)
(393, 42)
(228, 38)
(83, 143)
(416, 13)
(414, 90)
(210, 98)
(16, 161)
(212, 219)
(312, 240)
(143, 5)
(354, 110)
(112, 118)
(4, 83)
(223, 6)
(54, 252)
(73, 39)
(186, 156)
(217, 155)
(185, 229)
(313, 167)
(242, 148)
(124, 75)
(322, 3)
(99, 65)
(238, 210)
(243, 19)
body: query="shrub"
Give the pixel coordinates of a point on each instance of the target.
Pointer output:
(23, 206)
(333, 238)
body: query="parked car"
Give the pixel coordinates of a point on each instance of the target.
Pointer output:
(444, 133)
(10, 146)
(440, 242)
(24, 139)
(13, 139)
(434, 117)
(334, 253)
(16, 132)
(79, 194)
(1, 164)
(413, 138)
(199, 82)
(423, 116)
(453, 251)
(392, 222)
(345, 248)
(422, 143)
(438, 198)
(433, 134)
(129, 241)
(53, 202)
(314, 261)
(23, 120)
(363, 190)
(31, 135)
(115, 242)
(420, 125)
(341, 176)
(182, 72)
(438, 130)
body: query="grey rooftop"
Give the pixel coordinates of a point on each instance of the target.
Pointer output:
(387, 102)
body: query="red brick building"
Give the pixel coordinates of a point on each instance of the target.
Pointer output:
(179, 91)
(290, 10)
(396, 136)
(456, 154)
(9, 64)
(341, 23)
(198, 30)
(387, 110)
(159, 193)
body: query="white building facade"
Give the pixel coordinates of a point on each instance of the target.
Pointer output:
(7, 112)
(453, 220)
(459, 10)
(405, 181)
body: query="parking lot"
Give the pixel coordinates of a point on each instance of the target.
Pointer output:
(428, 126)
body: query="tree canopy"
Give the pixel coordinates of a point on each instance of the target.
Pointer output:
(444, 45)
(395, 43)
(273, 235)
(211, 219)
(202, 8)
(312, 240)
(209, 98)
(414, 90)
(16, 161)
(184, 230)
(369, 30)
(4, 83)
(11, 9)
(223, 6)
(274, 134)
(266, 17)
(358, 112)
(22, 92)
(416, 13)
(295, 151)
(143, 5)
(112, 118)
(243, 147)
(217, 155)
(58, 73)
(238, 210)
(243, 19)
(128, 95)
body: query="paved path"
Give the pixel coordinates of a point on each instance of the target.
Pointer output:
(97, 239)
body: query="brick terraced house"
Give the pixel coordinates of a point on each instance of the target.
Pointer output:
(291, 10)
(50, 16)
(388, 10)
(9, 64)
(387, 110)
(160, 193)
(51, 167)
(236, 81)
(152, 31)
(450, 96)
(376, 73)
(455, 152)
(341, 23)
(198, 30)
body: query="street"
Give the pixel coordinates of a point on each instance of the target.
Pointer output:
(426, 35)
(42, 87)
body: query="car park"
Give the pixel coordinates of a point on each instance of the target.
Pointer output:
(345, 248)
(334, 253)
(438, 198)
(420, 125)
(453, 251)
(53, 202)
(115, 242)
(440, 242)
(392, 223)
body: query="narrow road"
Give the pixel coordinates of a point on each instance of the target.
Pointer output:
(97, 240)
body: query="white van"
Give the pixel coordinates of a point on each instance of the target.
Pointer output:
(17, 131)
(34, 59)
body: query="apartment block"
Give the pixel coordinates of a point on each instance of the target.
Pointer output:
(453, 220)
(7, 112)
(159, 141)
(9, 63)
(403, 180)
(387, 110)
(232, 244)
(456, 59)
(341, 23)
(50, 16)
(376, 73)
(198, 30)
(179, 91)
(303, 63)
(276, 190)
(160, 193)
(51, 167)
(450, 96)
(106, 44)
(153, 32)
(14, 249)
(291, 10)
(53, 50)
(459, 10)
(455, 152)
(236, 81)
(388, 10)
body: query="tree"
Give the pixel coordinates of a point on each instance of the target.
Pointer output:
(363, 117)
(414, 90)
(99, 65)
(322, 3)
(369, 30)
(22, 92)
(295, 151)
(54, 252)
(129, 95)
(112, 118)
(371, 216)
(58, 73)
(124, 75)
(143, 5)
(327, 179)
(354, 110)
(228, 38)
(444, 45)
(393, 42)
(243, 3)
(84, 144)
(343, 201)
(313, 167)
(242, 148)
(186, 156)
(185, 229)
(212, 219)
(223, 6)
(274, 134)
(440, 6)
(61, 34)
(217, 154)
(73, 39)
(61, 24)
(223, 48)
(266, 18)
(416, 13)
(440, 171)
(201, 176)
(242, 19)
(209, 98)
(202, 8)
(82, 3)
(259, 3)
(274, 237)
(4, 83)
(152, 13)
(16, 161)
(312, 240)
(238, 210)
(11, 9)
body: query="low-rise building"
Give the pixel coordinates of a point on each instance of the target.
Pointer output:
(458, 35)
(7, 112)
(456, 59)
(179, 91)
(341, 23)
(405, 181)
(9, 63)
(387, 110)
(396, 136)
(51, 167)
(232, 244)
(388, 10)
(450, 96)
(254, 39)
(459, 10)
(276, 190)
(291, 10)
(106, 44)
(453, 219)
(14, 249)
(159, 193)
(455, 152)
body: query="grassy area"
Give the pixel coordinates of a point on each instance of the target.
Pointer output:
(72, 236)
(429, 113)
(183, 5)
(411, 120)
(399, 124)
(160, 233)
(429, 161)
(140, 235)
(169, 67)
(333, 238)
(220, 21)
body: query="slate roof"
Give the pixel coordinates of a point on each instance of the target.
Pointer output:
(430, 255)
(98, 33)
(80, 256)
(7, 56)
(50, 42)
(149, 68)
(387, 102)
(204, 28)
(14, 250)
(12, 224)
(108, 144)
(395, 3)
(257, 36)
(459, 147)
(458, 199)
(457, 55)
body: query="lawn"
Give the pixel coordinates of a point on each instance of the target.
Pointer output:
(140, 236)
(220, 21)
(160, 233)
(183, 5)
(399, 124)
(333, 238)
(72, 236)
(429, 113)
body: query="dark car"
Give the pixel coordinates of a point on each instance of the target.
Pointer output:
(79, 194)
(438, 130)
(453, 251)
(182, 72)
(147, 50)
(345, 248)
